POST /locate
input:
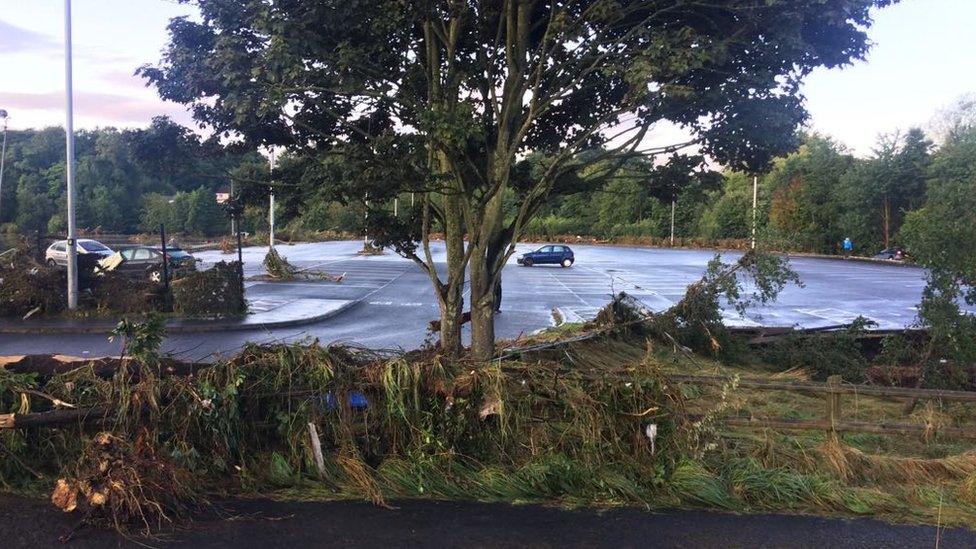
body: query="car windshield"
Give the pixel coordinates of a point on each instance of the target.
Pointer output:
(93, 247)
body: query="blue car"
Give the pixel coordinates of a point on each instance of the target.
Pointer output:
(550, 254)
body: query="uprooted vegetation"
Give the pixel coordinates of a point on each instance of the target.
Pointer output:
(27, 285)
(215, 292)
(31, 288)
(279, 268)
(599, 417)
(571, 424)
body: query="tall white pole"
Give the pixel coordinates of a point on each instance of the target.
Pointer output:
(672, 222)
(396, 207)
(271, 206)
(366, 222)
(233, 218)
(3, 154)
(70, 164)
(755, 196)
(271, 224)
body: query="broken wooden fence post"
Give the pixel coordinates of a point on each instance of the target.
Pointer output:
(833, 401)
(313, 435)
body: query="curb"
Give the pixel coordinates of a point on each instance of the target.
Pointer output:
(180, 326)
(861, 259)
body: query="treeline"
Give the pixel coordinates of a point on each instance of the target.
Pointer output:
(809, 201)
(127, 180)
(134, 180)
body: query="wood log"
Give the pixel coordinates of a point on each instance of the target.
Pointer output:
(52, 418)
(47, 366)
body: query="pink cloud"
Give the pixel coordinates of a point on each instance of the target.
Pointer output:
(122, 78)
(111, 109)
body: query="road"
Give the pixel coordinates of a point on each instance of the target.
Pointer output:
(395, 302)
(244, 524)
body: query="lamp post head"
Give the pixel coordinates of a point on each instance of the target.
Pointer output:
(3, 113)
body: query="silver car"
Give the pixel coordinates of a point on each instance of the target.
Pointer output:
(57, 253)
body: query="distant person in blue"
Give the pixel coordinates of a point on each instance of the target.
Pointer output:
(848, 246)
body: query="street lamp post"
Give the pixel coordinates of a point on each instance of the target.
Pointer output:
(3, 155)
(271, 206)
(672, 221)
(755, 196)
(70, 164)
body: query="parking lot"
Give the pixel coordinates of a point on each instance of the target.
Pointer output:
(393, 301)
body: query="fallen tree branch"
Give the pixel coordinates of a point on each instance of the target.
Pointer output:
(53, 418)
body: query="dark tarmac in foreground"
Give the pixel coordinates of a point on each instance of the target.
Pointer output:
(423, 523)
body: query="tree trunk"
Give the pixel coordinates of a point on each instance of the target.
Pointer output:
(482, 309)
(452, 294)
(485, 269)
(451, 305)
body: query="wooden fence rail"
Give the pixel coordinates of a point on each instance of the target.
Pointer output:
(846, 388)
(832, 421)
(880, 427)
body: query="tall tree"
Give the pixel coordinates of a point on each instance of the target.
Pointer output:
(804, 203)
(878, 191)
(457, 91)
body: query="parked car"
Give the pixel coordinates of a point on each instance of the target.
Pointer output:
(57, 253)
(551, 254)
(145, 259)
(896, 253)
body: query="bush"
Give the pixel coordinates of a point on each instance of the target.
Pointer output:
(823, 355)
(216, 292)
(553, 225)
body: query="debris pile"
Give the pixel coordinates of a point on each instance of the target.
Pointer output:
(227, 245)
(369, 249)
(29, 287)
(279, 268)
(121, 483)
(117, 292)
(213, 293)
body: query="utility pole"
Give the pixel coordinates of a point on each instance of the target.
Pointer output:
(3, 154)
(70, 164)
(232, 199)
(366, 222)
(755, 197)
(672, 222)
(271, 206)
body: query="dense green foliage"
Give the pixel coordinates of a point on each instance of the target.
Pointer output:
(127, 180)
(810, 200)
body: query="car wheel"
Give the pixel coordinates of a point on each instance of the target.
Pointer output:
(155, 276)
(527, 262)
(567, 262)
(52, 263)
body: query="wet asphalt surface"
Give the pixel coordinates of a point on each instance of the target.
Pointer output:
(243, 524)
(394, 301)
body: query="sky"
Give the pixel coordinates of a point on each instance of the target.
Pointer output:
(922, 61)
